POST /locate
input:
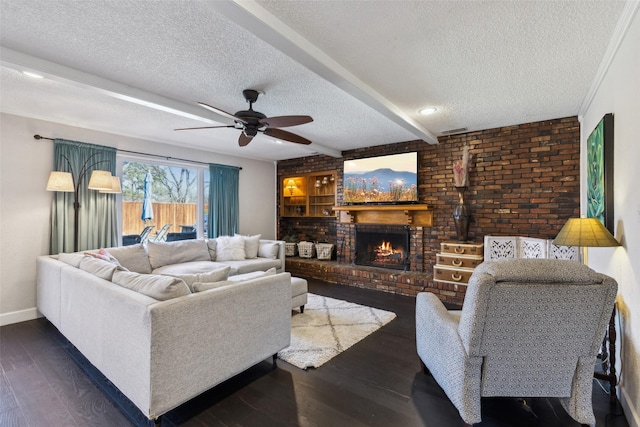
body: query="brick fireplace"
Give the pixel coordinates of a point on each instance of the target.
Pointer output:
(384, 247)
(524, 180)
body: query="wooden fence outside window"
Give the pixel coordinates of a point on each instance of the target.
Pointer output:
(176, 214)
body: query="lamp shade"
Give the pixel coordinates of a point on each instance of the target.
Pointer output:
(115, 189)
(585, 232)
(291, 185)
(60, 181)
(100, 180)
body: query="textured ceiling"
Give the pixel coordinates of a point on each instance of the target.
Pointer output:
(361, 69)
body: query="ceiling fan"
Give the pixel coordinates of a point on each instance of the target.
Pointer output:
(251, 122)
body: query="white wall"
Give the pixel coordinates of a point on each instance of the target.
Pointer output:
(619, 93)
(25, 164)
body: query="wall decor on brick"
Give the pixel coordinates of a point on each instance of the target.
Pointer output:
(524, 180)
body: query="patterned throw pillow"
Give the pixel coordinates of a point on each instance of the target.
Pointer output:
(103, 255)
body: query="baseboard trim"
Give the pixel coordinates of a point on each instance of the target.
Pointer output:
(633, 418)
(19, 316)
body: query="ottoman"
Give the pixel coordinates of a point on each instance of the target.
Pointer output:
(298, 293)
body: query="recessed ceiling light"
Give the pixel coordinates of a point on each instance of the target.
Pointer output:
(428, 110)
(32, 75)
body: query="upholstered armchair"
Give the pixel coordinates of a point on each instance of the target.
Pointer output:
(527, 328)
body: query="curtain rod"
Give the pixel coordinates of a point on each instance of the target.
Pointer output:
(152, 155)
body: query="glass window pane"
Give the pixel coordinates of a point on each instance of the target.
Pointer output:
(173, 200)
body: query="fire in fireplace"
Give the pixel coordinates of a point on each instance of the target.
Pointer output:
(387, 249)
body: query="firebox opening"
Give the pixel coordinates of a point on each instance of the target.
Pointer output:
(389, 249)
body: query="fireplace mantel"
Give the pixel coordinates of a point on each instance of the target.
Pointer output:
(419, 215)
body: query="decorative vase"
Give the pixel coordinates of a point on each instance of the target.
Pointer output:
(461, 214)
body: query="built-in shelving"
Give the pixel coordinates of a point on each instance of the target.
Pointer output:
(308, 195)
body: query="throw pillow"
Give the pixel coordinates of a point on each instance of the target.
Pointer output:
(268, 250)
(98, 267)
(103, 255)
(251, 244)
(133, 258)
(210, 277)
(155, 286)
(166, 253)
(230, 248)
(200, 286)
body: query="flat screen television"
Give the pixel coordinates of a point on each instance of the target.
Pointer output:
(391, 179)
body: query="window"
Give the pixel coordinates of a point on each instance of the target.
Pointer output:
(178, 199)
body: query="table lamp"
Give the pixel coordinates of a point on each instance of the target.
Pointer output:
(585, 232)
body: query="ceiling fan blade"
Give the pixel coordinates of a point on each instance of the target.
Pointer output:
(207, 127)
(287, 136)
(221, 112)
(244, 140)
(284, 121)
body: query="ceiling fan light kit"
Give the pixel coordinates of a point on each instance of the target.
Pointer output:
(251, 122)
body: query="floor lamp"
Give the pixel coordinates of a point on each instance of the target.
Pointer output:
(586, 233)
(67, 182)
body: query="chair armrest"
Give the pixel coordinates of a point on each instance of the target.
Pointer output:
(437, 339)
(440, 348)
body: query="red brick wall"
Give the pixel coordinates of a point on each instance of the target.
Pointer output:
(524, 181)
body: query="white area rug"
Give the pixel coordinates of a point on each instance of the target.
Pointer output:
(328, 327)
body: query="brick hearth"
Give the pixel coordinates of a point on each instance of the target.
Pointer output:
(387, 280)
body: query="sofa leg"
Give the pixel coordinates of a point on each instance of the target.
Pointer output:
(157, 421)
(275, 360)
(301, 309)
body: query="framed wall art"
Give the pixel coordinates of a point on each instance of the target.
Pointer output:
(600, 172)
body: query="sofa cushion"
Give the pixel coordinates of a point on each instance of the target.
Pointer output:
(268, 250)
(155, 286)
(99, 267)
(249, 265)
(201, 286)
(251, 244)
(133, 258)
(166, 253)
(73, 259)
(230, 248)
(209, 277)
(252, 275)
(193, 267)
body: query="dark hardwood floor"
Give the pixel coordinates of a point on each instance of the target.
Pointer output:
(377, 382)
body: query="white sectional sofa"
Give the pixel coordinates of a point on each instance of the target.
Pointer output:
(161, 352)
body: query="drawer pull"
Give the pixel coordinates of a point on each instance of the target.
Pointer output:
(458, 250)
(456, 263)
(456, 278)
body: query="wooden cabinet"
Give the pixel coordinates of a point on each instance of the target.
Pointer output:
(456, 261)
(308, 195)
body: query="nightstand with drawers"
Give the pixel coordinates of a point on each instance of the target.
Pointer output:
(456, 261)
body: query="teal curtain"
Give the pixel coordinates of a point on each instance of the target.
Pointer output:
(97, 222)
(223, 200)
